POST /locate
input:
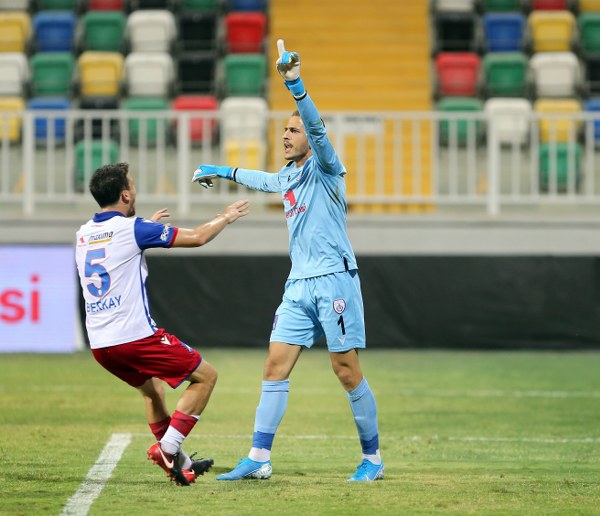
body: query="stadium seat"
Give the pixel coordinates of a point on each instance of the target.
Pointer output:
(454, 5)
(199, 5)
(511, 118)
(15, 31)
(146, 128)
(551, 31)
(198, 126)
(14, 5)
(550, 5)
(14, 74)
(554, 127)
(589, 33)
(593, 106)
(501, 5)
(135, 5)
(97, 125)
(589, 6)
(247, 5)
(43, 125)
(10, 125)
(105, 5)
(102, 31)
(197, 30)
(149, 74)
(455, 32)
(592, 74)
(243, 131)
(244, 74)
(100, 73)
(462, 130)
(90, 155)
(56, 5)
(151, 31)
(555, 74)
(52, 74)
(245, 32)
(457, 74)
(196, 72)
(244, 118)
(54, 31)
(505, 75)
(559, 167)
(503, 32)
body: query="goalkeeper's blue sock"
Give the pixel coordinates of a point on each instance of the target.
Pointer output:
(269, 413)
(364, 409)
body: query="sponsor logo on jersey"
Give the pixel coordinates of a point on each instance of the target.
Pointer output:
(339, 305)
(100, 238)
(290, 198)
(165, 234)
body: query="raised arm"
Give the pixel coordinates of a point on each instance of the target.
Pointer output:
(288, 66)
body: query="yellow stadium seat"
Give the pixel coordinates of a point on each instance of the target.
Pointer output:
(589, 6)
(245, 154)
(15, 29)
(10, 126)
(557, 129)
(551, 31)
(100, 73)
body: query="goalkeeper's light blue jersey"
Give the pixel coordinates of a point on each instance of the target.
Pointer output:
(314, 199)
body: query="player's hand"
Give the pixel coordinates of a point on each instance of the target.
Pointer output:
(236, 210)
(164, 212)
(288, 64)
(204, 174)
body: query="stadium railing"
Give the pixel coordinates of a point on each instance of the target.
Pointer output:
(394, 160)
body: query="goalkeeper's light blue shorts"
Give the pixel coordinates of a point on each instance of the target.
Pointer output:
(329, 305)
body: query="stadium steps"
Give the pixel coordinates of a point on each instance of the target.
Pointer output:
(362, 56)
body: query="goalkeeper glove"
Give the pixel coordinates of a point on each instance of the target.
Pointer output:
(288, 66)
(204, 174)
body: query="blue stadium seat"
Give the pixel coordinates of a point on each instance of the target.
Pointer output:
(593, 104)
(503, 32)
(41, 124)
(247, 5)
(54, 31)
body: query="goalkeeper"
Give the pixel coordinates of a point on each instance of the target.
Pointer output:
(322, 294)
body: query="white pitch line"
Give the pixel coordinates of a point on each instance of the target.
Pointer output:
(79, 504)
(384, 437)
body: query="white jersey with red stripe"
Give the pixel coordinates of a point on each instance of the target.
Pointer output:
(112, 271)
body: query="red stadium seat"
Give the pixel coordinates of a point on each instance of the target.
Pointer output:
(457, 74)
(550, 5)
(194, 103)
(245, 32)
(106, 5)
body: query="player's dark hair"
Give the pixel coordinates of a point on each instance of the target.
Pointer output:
(108, 182)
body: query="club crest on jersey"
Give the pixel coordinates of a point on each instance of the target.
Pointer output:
(290, 198)
(339, 305)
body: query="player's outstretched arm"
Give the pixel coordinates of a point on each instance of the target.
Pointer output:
(205, 173)
(204, 233)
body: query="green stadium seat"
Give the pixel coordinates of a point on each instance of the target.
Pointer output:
(505, 74)
(52, 74)
(90, 155)
(589, 32)
(57, 5)
(566, 175)
(199, 5)
(501, 5)
(245, 74)
(461, 129)
(103, 31)
(151, 126)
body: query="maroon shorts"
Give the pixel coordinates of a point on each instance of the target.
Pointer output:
(161, 355)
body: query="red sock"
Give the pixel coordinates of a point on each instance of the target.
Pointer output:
(160, 427)
(183, 423)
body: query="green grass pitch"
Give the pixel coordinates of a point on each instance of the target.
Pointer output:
(460, 433)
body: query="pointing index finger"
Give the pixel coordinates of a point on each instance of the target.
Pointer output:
(280, 47)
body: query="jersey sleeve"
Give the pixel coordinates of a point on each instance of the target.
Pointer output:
(258, 180)
(320, 144)
(150, 234)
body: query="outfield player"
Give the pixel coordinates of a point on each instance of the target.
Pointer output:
(322, 294)
(123, 337)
